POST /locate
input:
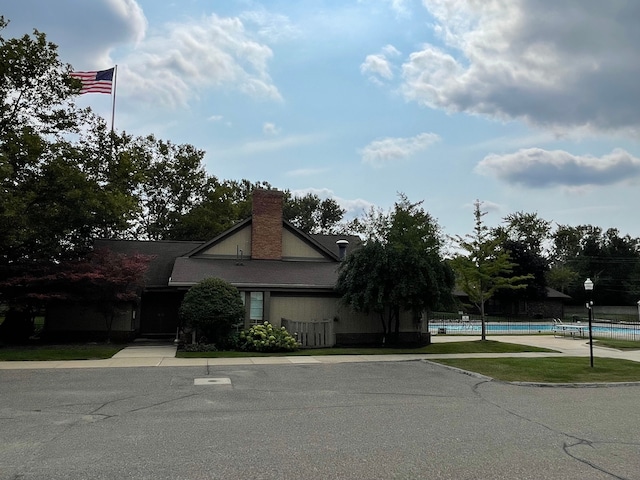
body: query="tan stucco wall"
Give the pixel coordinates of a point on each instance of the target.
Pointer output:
(302, 309)
(228, 247)
(307, 309)
(293, 247)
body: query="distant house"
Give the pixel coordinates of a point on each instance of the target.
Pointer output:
(284, 276)
(552, 306)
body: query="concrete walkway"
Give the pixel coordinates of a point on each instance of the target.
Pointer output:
(164, 355)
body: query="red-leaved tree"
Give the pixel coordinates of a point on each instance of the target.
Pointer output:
(103, 280)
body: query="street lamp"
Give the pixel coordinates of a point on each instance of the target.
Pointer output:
(588, 286)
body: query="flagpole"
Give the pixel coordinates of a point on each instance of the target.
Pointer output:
(113, 107)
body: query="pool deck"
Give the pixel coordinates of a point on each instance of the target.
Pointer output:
(164, 355)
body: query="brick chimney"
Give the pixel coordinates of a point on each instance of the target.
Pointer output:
(266, 225)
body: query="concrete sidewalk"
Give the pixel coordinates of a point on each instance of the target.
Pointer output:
(164, 355)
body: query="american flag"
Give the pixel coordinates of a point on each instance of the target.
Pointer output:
(95, 82)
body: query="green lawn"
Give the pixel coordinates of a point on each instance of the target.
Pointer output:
(550, 370)
(618, 344)
(59, 352)
(477, 346)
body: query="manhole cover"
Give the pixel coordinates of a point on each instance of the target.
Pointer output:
(212, 381)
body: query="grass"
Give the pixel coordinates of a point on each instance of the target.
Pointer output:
(477, 346)
(58, 352)
(618, 344)
(551, 370)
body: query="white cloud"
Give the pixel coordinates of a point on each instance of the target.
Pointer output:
(399, 7)
(538, 168)
(271, 26)
(381, 152)
(71, 20)
(571, 63)
(274, 144)
(377, 65)
(171, 66)
(270, 129)
(215, 118)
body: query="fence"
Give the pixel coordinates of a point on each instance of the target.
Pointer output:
(315, 334)
(456, 324)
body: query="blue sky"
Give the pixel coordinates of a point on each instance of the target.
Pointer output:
(526, 105)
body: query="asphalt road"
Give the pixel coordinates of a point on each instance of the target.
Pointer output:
(388, 420)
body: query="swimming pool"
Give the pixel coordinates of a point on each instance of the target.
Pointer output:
(630, 331)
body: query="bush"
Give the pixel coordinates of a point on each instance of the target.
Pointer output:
(212, 307)
(267, 338)
(198, 347)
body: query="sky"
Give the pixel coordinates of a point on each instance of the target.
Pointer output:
(526, 105)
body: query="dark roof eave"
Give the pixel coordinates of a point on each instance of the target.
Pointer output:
(263, 286)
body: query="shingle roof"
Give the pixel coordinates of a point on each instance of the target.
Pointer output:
(163, 252)
(266, 273)
(329, 242)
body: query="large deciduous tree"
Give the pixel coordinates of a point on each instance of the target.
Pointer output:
(483, 267)
(37, 115)
(311, 214)
(610, 259)
(525, 237)
(224, 203)
(103, 280)
(174, 181)
(63, 180)
(399, 268)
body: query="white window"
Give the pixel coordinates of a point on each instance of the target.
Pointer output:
(256, 307)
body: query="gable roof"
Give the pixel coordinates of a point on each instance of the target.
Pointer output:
(324, 244)
(272, 274)
(329, 241)
(182, 263)
(163, 255)
(301, 274)
(202, 246)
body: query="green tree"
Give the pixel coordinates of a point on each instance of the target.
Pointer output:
(174, 181)
(102, 280)
(610, 259)
(525, 237)
(311, 214)
(37, 115)
(399, 268)
(528, 229)
(212, 307)
(484, 267)
(224, 204)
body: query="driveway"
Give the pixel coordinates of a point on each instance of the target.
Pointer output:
(369, 420)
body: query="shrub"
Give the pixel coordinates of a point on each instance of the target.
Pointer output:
(198, 347)
(212, 307)
(267, 338)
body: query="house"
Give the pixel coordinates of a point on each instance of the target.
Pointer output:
(551, 306)
(285, 277)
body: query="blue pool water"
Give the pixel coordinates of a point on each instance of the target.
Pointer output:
(525, 328)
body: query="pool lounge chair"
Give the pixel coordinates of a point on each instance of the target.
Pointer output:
(573, 329)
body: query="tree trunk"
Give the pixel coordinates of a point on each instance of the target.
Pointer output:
(109, 323)
(396, 333)
(384, 327)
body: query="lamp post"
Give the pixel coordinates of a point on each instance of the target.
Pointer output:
(588, 286)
